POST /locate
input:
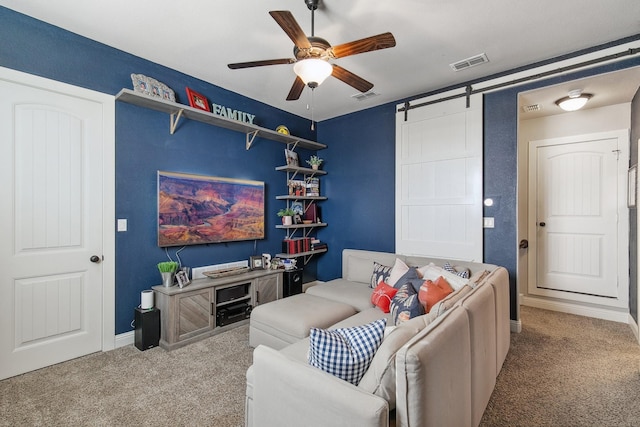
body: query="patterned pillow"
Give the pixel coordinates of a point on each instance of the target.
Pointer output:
(381, 296)
(405, 304)
(464, 272)
(380, 274)
(412, 276)
(346, 352)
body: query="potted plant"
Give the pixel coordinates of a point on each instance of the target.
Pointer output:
(167, 271)
(286, 215)
(315, 162)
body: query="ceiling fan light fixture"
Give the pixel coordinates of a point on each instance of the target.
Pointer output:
(313, 71)
(575, 101)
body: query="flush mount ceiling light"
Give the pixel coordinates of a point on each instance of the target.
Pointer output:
(575, 101)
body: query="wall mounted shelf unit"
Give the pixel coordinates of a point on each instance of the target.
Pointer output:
(178, 111)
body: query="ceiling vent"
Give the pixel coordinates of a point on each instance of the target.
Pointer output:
(363, 96)
(531, 108)
(470, 62)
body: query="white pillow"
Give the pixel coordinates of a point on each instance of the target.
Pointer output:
(397, 271)
(432, 272)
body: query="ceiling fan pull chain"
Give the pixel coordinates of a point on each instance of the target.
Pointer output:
(312, 126)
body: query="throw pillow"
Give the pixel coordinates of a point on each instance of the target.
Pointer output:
(380, 274)
(432, 272)
(398, 270)
(432, 292)
(458, 271)
(405, 304)
(412, 277)
(381, 296)
(346, 352)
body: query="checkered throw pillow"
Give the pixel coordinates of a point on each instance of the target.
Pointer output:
(346, 352)
(464, 273)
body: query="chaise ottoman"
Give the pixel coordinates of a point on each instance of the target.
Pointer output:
(271, 323)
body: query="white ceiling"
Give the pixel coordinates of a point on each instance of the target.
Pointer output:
(199, 37)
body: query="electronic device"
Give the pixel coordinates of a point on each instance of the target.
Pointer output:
(147, 328)
(292, 282)
(233, 313)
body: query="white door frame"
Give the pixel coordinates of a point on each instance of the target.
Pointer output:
(605, 309)
(108, 180)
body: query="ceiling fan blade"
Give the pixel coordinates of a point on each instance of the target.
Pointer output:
(381, 41)
(296, 89)
(250, 64)
(351, 79)
(288, 23)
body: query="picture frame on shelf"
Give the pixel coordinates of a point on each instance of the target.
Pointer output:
(197, 100)
(152, 87)
(297, 208)
(182, 278)
(256, 262)
(297, 188)
(291, 157)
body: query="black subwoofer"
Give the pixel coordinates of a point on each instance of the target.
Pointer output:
(147, 328)
(292, 282)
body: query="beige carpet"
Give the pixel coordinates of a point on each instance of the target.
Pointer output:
(562, 370)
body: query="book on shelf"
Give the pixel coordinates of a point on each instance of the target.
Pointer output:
(296, 246)
(313, 187)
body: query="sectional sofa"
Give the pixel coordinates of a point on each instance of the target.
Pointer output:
(436, 369)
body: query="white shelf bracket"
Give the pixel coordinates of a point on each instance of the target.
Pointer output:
(174, 119)
(250, 137)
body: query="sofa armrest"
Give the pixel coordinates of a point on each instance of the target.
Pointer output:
(288, 392)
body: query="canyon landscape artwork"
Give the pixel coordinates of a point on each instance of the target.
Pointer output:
(195, 209)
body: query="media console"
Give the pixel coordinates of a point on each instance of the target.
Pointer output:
(206, 307)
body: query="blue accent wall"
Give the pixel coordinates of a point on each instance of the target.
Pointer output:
(144, 146)
(360, 185)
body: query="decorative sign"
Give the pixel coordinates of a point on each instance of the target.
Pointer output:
(241, 116)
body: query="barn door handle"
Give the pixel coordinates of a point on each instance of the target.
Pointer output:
(95, 258)
(542, 224)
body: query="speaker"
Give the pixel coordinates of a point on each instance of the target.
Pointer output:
(292, 283)
(147, 330)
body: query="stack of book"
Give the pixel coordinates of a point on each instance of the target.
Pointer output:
(313, 187)
(317, 245)
(296, 246)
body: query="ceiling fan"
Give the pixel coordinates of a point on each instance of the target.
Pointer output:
(312, 54)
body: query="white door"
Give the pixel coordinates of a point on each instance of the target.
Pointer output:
(439, 180)
(51, 213)
(578, 216)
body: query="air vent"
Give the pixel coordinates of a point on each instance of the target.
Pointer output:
(469, 62)
(363, 96)
(531, 108)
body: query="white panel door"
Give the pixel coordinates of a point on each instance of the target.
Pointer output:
(52, 219)
(577, 196)
(439, 180)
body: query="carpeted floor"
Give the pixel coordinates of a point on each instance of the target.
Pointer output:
(562, 370)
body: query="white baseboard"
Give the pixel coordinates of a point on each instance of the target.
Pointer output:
(604, 313)
(634, 328)
(125, 339)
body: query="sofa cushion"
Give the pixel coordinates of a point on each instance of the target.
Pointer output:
(433, 291)
(405, 304)
(380, 274)
(399, 269)
(356, 294)
(380, 378)
(381, 296)
(412, 277)
(346, 352)
(449, 301)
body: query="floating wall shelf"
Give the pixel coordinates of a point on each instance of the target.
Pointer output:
(178, 111)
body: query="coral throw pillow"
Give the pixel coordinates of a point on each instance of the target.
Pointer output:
(382, 295)
(432, 292)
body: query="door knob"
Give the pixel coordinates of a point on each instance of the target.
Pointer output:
(95, 258)
(542, 224)
(524, 244)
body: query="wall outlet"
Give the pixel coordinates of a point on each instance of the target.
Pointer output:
(488, 222)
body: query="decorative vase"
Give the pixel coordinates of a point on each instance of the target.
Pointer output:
(287, 220)
(167, 279)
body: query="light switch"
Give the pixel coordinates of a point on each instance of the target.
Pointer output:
(122, 224)
(488, 222)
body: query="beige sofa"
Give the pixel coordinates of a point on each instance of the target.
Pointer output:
(438, 369)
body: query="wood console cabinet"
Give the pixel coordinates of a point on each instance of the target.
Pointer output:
(189, 314)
